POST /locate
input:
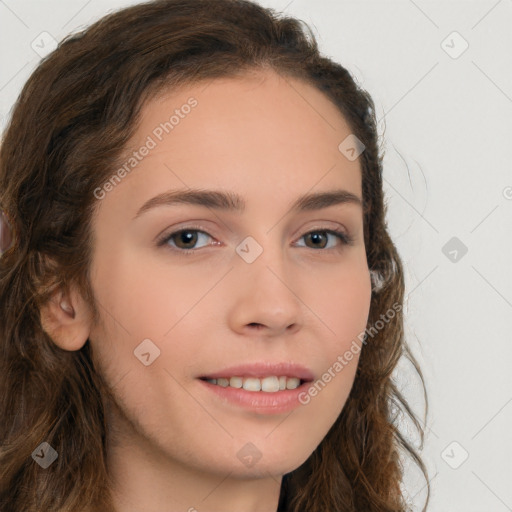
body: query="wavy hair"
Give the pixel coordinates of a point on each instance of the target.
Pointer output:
(68, 130)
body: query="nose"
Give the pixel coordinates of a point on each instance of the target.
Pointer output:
(265, 299)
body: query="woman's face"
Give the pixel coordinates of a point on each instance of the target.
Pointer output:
(268, 283)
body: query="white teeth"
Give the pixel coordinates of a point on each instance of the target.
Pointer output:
(252, 384)
(223, 382)
(292, 383)
(270, 384)
(236, 382)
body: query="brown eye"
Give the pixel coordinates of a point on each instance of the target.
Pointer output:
(184, 239)
(320, 238)
(187, 238)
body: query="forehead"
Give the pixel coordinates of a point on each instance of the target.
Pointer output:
(264, 106)
(257, 134)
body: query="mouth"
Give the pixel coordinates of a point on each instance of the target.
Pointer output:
(269, 394)
(266, 377)
(268, 384)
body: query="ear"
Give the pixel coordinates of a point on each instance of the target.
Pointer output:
(66, 319)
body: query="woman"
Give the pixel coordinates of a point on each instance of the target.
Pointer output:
(249, 370)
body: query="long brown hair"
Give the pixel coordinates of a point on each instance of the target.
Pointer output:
(69, 127)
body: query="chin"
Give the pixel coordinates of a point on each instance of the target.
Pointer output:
(277, 462)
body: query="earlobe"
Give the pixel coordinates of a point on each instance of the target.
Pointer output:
(65, 319)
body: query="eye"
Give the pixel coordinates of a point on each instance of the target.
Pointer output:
(319, 235)
(185, 239)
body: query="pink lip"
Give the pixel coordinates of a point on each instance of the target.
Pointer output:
(258, 401)
(263, 369)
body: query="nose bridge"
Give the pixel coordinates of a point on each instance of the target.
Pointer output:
(265, 259)
(266, 293)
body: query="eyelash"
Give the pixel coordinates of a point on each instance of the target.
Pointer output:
(345, 239)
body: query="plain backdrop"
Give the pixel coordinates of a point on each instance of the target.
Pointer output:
(440, 75)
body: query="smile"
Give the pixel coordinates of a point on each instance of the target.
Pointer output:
(270, 384)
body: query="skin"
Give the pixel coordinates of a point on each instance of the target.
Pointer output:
(173, 443)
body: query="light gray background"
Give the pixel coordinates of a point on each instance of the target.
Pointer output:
(445, 116)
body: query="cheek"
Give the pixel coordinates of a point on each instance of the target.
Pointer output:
(345, 305)
(346, 310)
(343, 298)
(142, 301)
(341, 301)
(143, 298)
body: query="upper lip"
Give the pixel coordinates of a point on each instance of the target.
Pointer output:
(263, 369)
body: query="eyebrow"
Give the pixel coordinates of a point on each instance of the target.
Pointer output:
(229, 201)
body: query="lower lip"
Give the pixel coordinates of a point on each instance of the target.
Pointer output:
(276, 402)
